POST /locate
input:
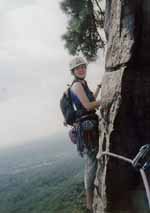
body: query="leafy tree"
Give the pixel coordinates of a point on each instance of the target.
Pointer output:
(82, 31)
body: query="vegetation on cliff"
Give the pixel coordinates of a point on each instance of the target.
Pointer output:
(85, 17)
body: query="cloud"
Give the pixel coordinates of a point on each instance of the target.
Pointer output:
(6, 5)
(33, 69)
(35, 22)
(30, 48)
(21, 119)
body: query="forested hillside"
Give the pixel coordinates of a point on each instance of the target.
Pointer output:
(41, 177)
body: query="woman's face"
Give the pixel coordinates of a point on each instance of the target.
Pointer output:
(80, 71)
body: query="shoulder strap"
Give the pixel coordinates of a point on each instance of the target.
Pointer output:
(72, 100)
(76, 80)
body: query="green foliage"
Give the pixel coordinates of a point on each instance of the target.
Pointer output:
(56, 187)
(82, 32)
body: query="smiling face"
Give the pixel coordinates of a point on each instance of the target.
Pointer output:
(80, 71)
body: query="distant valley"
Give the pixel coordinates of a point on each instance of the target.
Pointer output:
(44, 176)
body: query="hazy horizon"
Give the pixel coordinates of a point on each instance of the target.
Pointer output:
(34, 70)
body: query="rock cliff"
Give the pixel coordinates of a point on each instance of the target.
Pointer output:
(125, 124)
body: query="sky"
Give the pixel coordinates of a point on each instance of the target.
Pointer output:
(34, 70)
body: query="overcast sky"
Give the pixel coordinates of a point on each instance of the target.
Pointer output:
(33, 69)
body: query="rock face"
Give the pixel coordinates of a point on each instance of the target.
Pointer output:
(125, 124)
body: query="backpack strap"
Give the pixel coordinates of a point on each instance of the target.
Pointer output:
(73, 103)
(77, 80)
(84, 87)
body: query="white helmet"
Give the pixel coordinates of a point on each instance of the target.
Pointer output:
(76, 61)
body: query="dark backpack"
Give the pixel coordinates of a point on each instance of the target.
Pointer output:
(67, 109)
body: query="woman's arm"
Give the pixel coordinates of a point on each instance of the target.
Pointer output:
(78, 90)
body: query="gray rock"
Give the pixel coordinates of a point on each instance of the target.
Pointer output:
(125, 111)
